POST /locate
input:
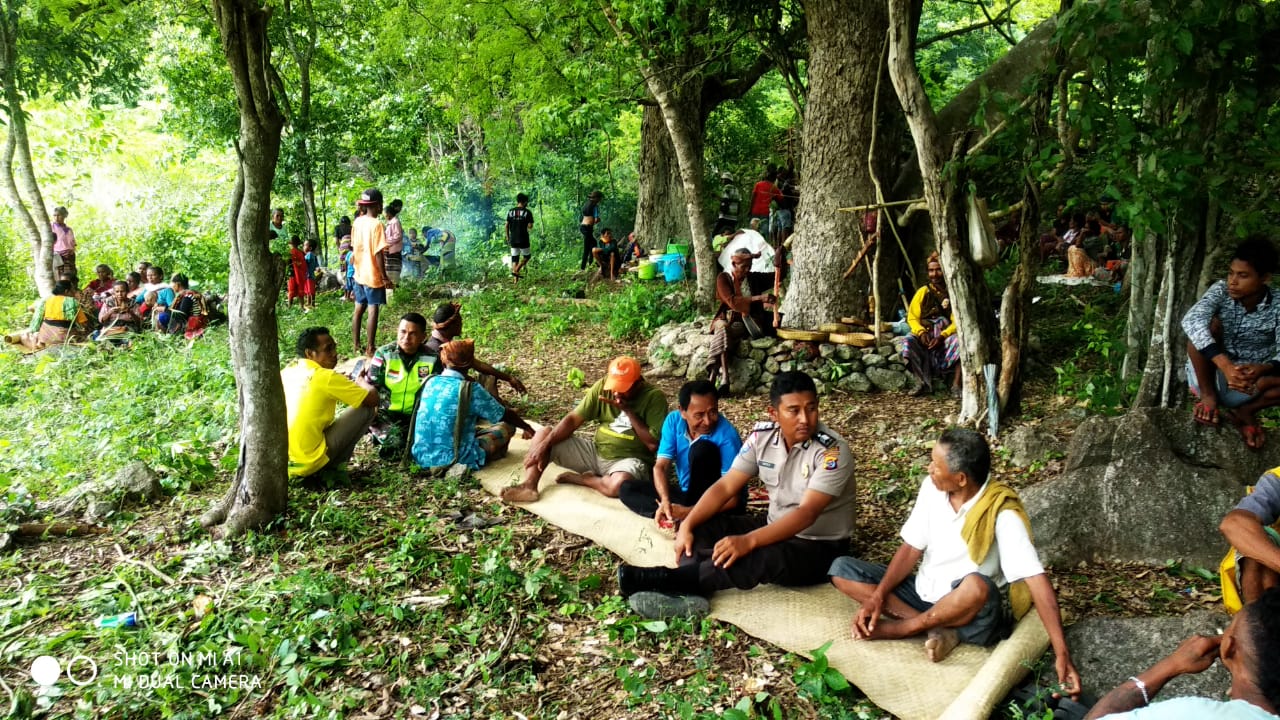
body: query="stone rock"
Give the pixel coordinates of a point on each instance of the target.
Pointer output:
(1107, 651)
(744, 348)
(136, 482)
(697, 367)
(885, 351)
(854, 382)
(855, 365)
(867, 351)
(669, 366)
(787, 366)
(98, 510)
(757, 355)
(328, 280)
(1030, 443)
(885, 379)
(820, 386)
(6, 542)
(743, 373)
(897, 360)
(766, 378)
(845, 353)
(763, 343)
(457, 471)
(771, 366)
(1148, 486)
(874, 361)
(826, 350)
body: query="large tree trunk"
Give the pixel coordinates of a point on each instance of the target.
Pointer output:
(969, 305)
(660, 209)
(259, 491)
(845, 39)
(20, 189)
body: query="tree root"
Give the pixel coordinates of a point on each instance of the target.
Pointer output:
(63, 529)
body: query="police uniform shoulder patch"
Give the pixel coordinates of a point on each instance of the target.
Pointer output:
(831, 459)
(824, 439)
(764, 425)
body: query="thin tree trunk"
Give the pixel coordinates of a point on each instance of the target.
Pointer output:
(259, 490)
(21, 190)
(1015, 305)
(681, 106)
(964, 280)
(845, 39)
(660, 209)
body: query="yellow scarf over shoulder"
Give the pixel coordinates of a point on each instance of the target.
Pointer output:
(979, 533)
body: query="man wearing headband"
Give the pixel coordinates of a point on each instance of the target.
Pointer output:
(368, 249)
(438, 439)
(630, 413)
(447, 325)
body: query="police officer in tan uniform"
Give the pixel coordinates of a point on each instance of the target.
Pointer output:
(808, 471)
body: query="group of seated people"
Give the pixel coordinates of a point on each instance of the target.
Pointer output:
(688, 469)
(1092, 245)
(110, 310)
(614, 257)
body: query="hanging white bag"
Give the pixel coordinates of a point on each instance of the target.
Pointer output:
(982, 234)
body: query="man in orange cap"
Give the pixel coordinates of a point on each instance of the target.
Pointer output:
(630, 413)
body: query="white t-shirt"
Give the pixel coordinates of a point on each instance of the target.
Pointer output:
(1190, 708)
(934, 528)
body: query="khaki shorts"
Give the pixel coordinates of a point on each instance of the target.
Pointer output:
(579, 455)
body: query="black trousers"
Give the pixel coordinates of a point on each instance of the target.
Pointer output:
(588, 244)
(704, 470)
(792, 562)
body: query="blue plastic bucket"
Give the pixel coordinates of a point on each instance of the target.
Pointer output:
(673, 268)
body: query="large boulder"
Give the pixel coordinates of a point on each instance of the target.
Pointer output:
(1108, 651)
(886, 379)
(1030, 443)
(1147, 486)
(744, 373)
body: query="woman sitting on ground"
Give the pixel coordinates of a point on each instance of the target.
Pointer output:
(933, 347)
(438, 438)
(188, 314)
(119, 316)
(58, 319)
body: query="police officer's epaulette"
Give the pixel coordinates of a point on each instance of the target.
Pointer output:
(764, 425)
(824, 439)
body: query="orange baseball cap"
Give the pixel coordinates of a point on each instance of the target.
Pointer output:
(624, 371)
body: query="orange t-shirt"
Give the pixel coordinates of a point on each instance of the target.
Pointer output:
(368, 243)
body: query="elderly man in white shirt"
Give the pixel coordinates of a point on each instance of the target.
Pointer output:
(955, 598)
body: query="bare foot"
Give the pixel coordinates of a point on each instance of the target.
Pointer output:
(573, 478)
(885, 629)
(940, 643)
(519, 494)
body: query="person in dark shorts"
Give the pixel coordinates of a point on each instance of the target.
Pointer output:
(519, 224)
(590, 218)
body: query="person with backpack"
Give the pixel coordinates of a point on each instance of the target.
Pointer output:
(447, 428)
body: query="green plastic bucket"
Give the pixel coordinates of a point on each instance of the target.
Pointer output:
(680, 248)
(647, 270)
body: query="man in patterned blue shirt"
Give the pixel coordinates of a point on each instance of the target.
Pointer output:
(436, 439)
(1233, 343)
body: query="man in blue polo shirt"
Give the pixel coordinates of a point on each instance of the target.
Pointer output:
(700, 446)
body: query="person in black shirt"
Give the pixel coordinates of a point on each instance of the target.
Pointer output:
(590, 216)
(519, 223)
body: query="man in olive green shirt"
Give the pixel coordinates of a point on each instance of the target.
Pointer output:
(630, 413)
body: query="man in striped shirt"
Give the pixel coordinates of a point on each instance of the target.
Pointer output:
(1233, 343)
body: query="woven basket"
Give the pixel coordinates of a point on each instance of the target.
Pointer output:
(856, 339)
(803, 335)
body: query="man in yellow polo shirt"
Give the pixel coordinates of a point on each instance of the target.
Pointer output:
(312, 390)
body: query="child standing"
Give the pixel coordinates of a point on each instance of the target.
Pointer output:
(297, 271)
(313, 271)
